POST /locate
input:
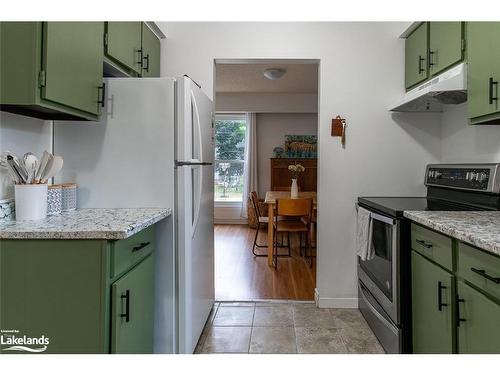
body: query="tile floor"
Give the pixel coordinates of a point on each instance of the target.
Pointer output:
(285, 327)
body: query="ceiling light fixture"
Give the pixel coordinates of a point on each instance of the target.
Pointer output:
(274, 73)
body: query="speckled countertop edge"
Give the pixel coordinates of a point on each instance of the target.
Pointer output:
(100, 223)
(478, 228)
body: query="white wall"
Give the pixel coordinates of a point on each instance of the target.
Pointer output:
(361, 72)
(271, 131)
(20, 134)
(267, 102)
(462, 142)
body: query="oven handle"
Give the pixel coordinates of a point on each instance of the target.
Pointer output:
(381, 218)
(374, 311)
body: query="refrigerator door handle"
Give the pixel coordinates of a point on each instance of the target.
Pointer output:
(190, 163)
(198, 127)
(197, 201)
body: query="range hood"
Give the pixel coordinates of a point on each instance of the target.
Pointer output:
(449, 87)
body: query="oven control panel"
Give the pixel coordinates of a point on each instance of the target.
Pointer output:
(477, 177)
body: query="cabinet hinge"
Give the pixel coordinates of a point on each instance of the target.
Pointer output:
(42, 77)
(105, 39)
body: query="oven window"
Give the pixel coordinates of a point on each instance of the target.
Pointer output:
(379, 269)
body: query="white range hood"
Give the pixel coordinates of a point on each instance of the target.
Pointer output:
(449, 87)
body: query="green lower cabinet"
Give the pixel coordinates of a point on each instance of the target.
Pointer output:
(480, 332)
(446, 46)
(432, 307)
(56, 288)
(132, 310)
(64, 291)
(483, 72)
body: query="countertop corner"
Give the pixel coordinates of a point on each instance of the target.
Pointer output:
(478, 228)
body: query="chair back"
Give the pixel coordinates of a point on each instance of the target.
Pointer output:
(301, 207)
(255, 202)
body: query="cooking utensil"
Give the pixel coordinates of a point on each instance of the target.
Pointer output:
(20, 168)
(3, 158)
(43, 165)
(31, 165)
(18, 178)
(54, 166)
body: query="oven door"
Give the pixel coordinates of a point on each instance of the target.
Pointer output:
(379, 274)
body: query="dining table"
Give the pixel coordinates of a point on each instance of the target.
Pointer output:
(270, 200)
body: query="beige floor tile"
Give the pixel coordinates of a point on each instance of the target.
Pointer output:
(349, 318)
(319, 341)
(279, 315)
(360, 341)
(227, 340)
(273, 340)
(308, 315)
(233, 316)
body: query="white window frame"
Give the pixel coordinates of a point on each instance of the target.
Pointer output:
(229, 116)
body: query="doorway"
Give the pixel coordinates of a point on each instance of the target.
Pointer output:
(266, 119)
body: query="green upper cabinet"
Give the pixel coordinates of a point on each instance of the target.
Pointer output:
(432, 296)
(151, 53)
(416, 56)
(51, 70)
(483, 74)
(123, 44)
(479, 329)
(446, 45)
(73, 71)
(132, 310)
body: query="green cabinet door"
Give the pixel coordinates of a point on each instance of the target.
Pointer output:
(123, 44)
(151, 53)
(445, 45)
(416, 56)
(132, 310)
(56, 289)
(72, 62)
(432, 308)
(480, 332)
(483, 72)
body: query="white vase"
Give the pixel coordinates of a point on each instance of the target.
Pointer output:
(31, 201)
(294, 190)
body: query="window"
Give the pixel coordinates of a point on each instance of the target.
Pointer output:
(230, 134)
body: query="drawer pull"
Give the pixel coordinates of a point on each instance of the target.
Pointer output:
(424, 244)
(459, 319)
(126, 296)
(141, 246)
(440, 296)
(483, 273)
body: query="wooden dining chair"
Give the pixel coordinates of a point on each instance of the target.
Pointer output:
(298, 209)
(262, 222)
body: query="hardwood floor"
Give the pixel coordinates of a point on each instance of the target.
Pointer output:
(241, 276)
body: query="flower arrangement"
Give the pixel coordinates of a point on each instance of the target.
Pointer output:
(296, 170)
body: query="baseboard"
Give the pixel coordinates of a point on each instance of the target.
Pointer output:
(230, 221)
(335, 303)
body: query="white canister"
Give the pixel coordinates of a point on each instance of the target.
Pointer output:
(31, 201)
(68, 197)
(54, 200)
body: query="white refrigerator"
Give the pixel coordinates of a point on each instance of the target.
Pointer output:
(153, 147)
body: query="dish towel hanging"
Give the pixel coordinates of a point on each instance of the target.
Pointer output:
(364, 246)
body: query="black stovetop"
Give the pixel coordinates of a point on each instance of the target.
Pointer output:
(395, 206)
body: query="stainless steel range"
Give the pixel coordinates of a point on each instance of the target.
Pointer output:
(384, 282)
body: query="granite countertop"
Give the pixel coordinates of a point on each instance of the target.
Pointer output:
(90, 223)
(478, 228)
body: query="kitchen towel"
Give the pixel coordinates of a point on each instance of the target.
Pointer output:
(364, 247)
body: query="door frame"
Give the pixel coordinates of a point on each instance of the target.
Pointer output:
(274, 61)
